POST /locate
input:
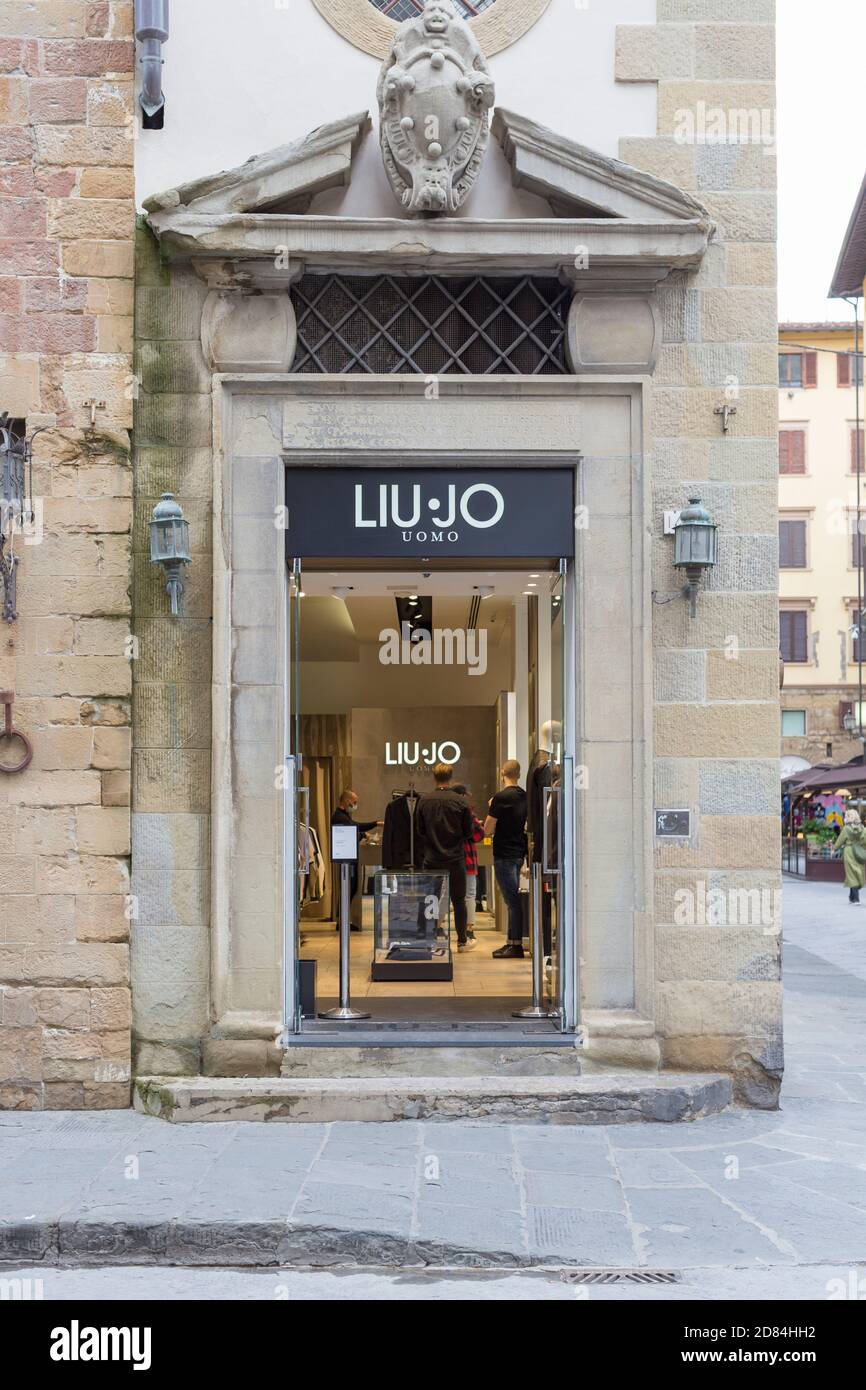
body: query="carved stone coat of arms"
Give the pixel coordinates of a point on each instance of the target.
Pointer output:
(435, 91)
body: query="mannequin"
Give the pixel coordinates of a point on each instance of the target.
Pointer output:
(544, 772)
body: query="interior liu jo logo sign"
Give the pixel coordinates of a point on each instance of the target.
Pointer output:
(425, 515)
(406, 754)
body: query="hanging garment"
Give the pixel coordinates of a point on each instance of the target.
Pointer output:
(538, 778)
(399, 833)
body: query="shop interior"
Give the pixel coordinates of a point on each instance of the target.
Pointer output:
(394, 672)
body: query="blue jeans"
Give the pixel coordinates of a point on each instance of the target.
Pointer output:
(507, 873)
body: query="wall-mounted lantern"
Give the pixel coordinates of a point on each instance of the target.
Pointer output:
(694, 547)
(16, 505)
(169, 545)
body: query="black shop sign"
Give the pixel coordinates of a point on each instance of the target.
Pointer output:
(385, 513)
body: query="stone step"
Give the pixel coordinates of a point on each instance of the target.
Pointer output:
(484, 1059)
(615, 1098)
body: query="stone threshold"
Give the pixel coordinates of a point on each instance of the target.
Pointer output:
(566, 1099)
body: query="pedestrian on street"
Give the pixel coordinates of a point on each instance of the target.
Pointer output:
(852, 841)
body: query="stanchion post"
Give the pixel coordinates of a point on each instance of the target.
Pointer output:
(344, 1013)
(536, 1009)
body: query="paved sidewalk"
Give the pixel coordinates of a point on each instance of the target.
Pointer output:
(743, 1190)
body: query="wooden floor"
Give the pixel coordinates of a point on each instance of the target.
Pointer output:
(482, 987)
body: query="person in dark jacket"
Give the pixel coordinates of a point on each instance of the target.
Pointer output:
(444, 824)
(344, 815)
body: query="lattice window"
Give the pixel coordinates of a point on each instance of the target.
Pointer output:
(408, 9)
(431, 324)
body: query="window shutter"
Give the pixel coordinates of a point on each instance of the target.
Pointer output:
(810, 369)
(784, 546)
(855, 457)
(792, 451)
(792, 544)
(793, 635)
(843, 369)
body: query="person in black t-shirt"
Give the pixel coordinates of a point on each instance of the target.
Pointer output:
(506, 822)
(444, 824)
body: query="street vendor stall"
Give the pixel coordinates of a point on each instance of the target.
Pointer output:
(813, 813)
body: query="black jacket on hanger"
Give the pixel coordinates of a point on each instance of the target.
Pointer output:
(539, 776)
(398, 832)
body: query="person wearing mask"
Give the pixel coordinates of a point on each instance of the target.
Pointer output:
(852, 842)
(344, 814)
(444, 825)
(506, 822)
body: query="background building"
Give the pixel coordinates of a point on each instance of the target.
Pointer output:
(820, 565)
(67, 222)
(666, 263)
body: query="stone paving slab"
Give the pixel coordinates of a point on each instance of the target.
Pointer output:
(751, 1191)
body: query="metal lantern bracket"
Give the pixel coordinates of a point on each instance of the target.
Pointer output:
(695, 547)
(169, 546)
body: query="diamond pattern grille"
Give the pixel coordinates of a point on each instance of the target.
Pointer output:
(408, 9)
(433, 325)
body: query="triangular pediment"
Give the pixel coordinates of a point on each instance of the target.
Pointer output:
(285, 179)
(580, 182)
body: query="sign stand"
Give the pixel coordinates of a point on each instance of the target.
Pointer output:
(344, 850)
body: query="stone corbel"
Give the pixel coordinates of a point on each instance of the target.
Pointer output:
(614, 329)
(243, 331)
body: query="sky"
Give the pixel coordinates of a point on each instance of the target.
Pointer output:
(822, 147)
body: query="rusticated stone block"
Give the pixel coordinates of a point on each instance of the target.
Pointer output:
(744, 675)
(116, 788)
(166, 1059)
(724, 954)
(112, 748)
(679, 675)
(20, 1054)
(694, 1008)
(646, 52)
(37, 920)
(101, 917)
(726, 842)
(742, 785)
(742, 730)
(174, 713)
(103, 830)
(110, 1009)
(165, 312)
(171, 842)
(173, 420)
(732, 51)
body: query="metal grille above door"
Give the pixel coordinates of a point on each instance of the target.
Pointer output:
(431, 324)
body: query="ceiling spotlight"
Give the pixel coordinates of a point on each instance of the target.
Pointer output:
(484, 590)
(342, 590)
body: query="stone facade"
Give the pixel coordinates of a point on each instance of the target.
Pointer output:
(66, 264)
(825, 739)
(693, 725)
(716, 712)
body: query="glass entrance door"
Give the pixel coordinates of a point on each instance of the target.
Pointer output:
(295, 839)
(558, 808)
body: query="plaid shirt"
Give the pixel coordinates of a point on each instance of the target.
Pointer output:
(470, 851)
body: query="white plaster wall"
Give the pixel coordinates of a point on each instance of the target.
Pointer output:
(244, 77)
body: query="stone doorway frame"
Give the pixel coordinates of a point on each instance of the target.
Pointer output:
(262, 421)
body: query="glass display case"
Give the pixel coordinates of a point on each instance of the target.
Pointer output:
(412, 926)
